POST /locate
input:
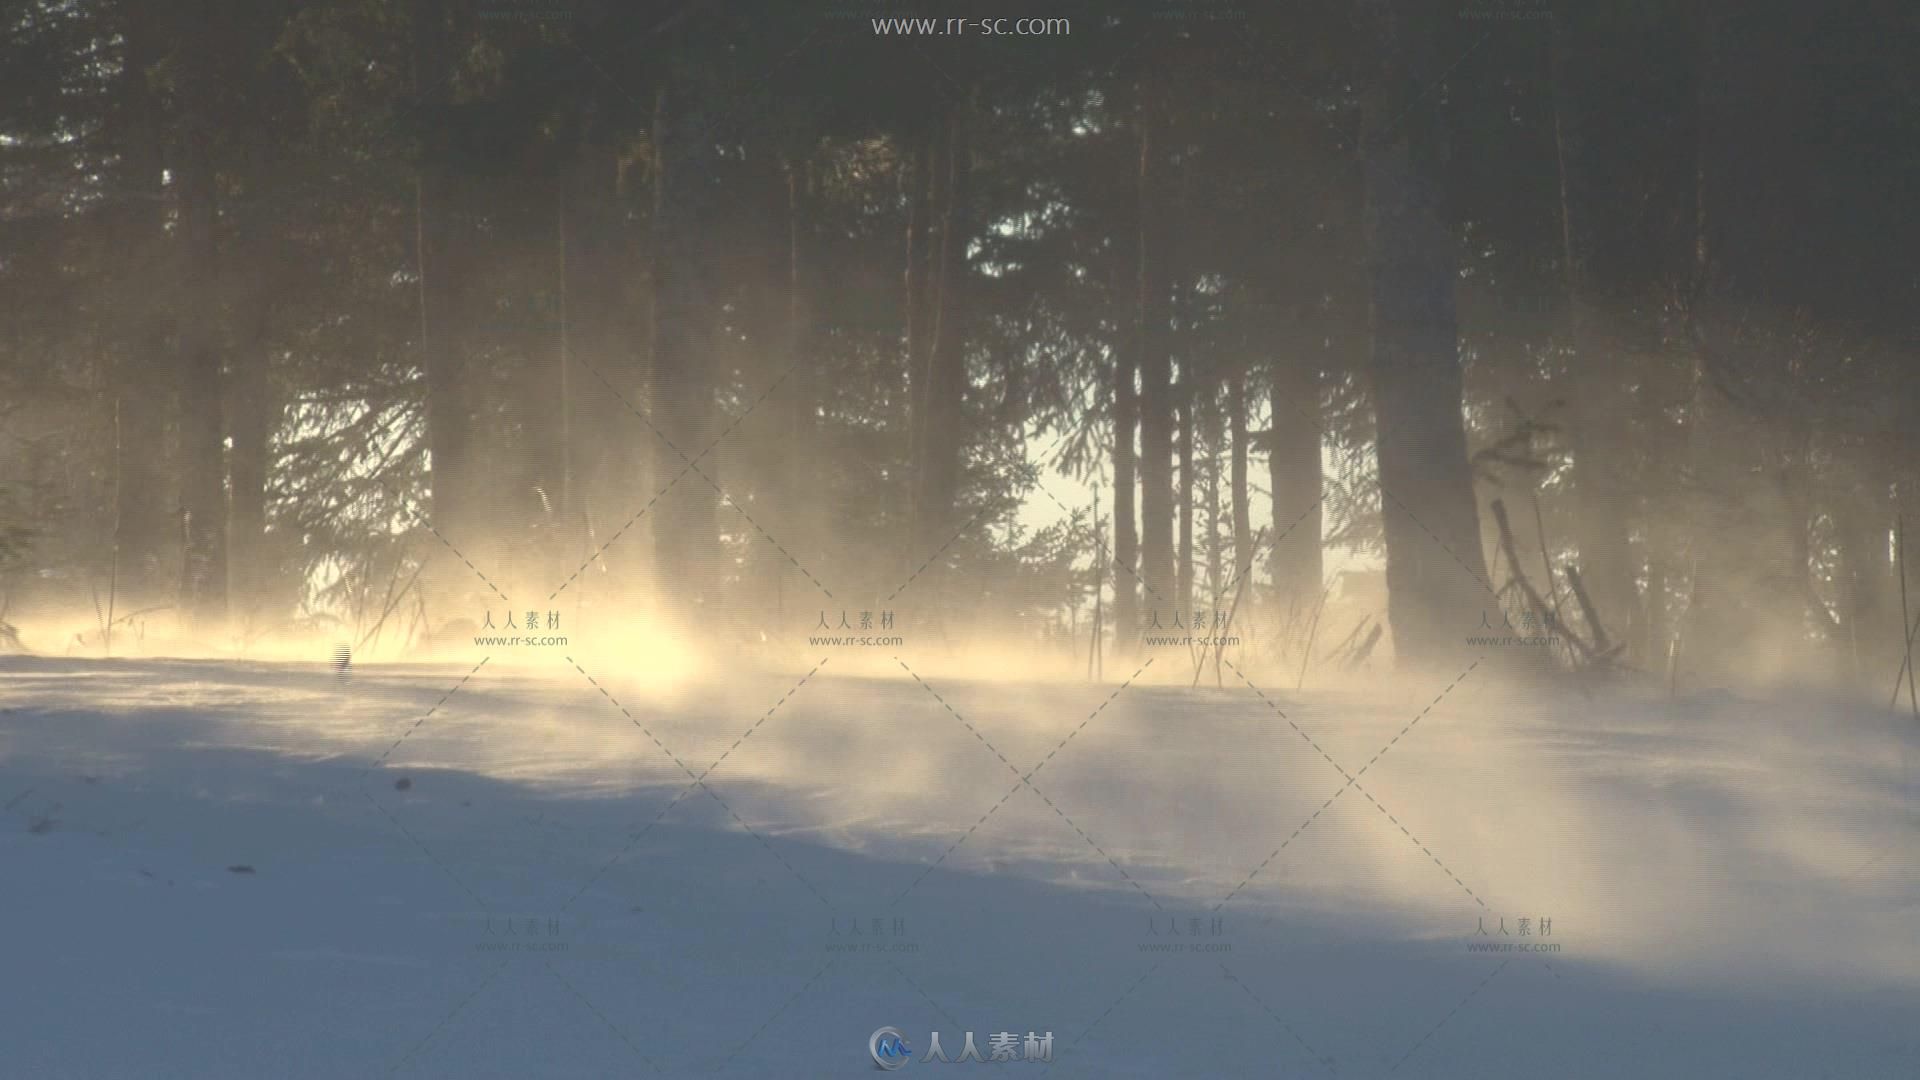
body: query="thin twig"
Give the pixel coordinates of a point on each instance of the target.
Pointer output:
(1313, 625)
(1900, 551)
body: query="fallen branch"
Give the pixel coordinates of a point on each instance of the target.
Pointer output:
(1599, 631)
(1534, 602)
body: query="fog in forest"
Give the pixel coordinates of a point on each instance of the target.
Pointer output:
(387, 325)
(685, 359)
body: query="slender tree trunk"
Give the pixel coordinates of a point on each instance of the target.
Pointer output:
(203, 497)
(251, 414)
(1436, 572)
(1655, 624)
(1184, 561)
(1748, 601)
(1796, 499)
(141, 387)
(686, 530)
(1126, 555)
(943, 448)
(804, 278)
(442, 277)
(1237, 475)
(1216, 551)
(1294, 477)
(783, 460)
(607, 339)
(1601, 403)
(927, 187)
(1866, 575)
(557, 406)
(1158, 573)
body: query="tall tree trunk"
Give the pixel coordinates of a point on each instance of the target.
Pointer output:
(1861, 518)
(1237, 475)
(686, 531)
(783, 458)
(1601, 401)
(1216, 552)
(1435, 568)
(1294, 476)
(1126, 554)
(1653, 634)
(1185, 395)
(943, 446)
(442, 276)
(927, 186)
(607, 341)
(542, 402)
(1747, 598)
(251, 415)
(203, 497)
(1154, 358)
(806, 265)
(141, 387)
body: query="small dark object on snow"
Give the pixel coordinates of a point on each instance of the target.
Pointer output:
(402, 784)
(242, 868)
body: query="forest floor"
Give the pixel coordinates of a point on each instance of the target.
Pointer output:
(227, 869)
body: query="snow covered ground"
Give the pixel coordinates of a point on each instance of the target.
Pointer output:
(224, 869)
